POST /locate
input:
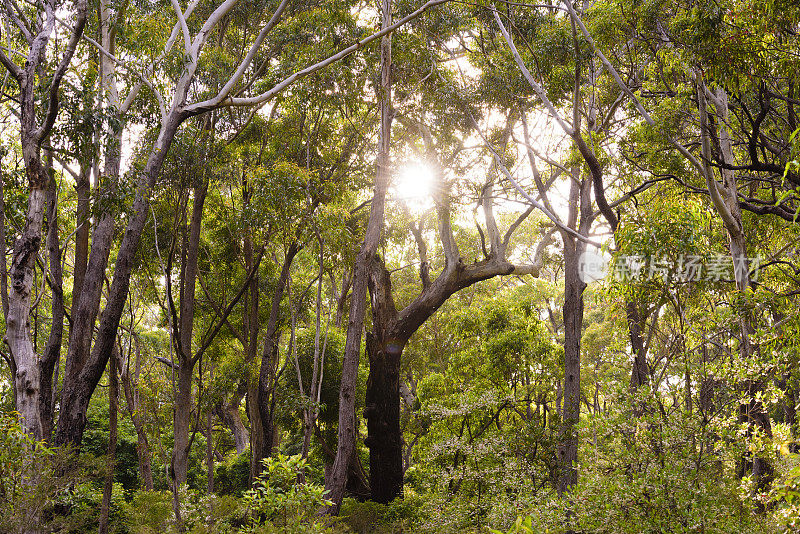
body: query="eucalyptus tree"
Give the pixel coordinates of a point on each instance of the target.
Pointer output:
(182, 98)
(591, 119)
(441, 142)
(724, 135)
(33, 30)
(336, 479)
(177, 98)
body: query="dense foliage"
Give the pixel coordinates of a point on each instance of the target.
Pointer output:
(280, 266)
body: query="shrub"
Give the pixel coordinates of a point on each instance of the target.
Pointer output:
(232, 476)
(202, 513)
(370, 517)
(149, 512)
(33, 477)
(280, 497)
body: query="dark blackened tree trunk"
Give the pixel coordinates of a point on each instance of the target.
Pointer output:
(382, 403)
(391, 330)
(382, 411)
(640, 372)
(257, 445)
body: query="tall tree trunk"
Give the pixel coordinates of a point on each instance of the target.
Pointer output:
(27, 382)
(579, 207)
(341, 299)
(90, 272)
(113, 392)
(336, 480)
(4, 274)
(186, 357)
(725, 199)
(77, 392)
(382, 411)
(257, 444)
(267, 378)
(573, 318)
(82, 214)
(142, 443)
(318, 362)
(181, 426)
(3, 249)
(35, 126)
(52, 351)
(210, 452)
(640, 371)
(228, 412)
(27, 379)
(252, 327)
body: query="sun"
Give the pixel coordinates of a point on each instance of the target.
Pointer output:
(413, 185)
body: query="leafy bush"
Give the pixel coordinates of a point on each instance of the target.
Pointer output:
(785, 497)
(362, 517)
(33, 477)
(523, 525)
(149, 512)
(370, 517)
(232, 475)
(280, 497)
(79, 509)
(202, 513)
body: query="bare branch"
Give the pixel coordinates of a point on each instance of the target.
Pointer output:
(206, 105)
(214, 329)
(527, 74)
(550, 215)
(538, 257)
(12, 67)
(243, 66)
(537, 177)
(711, 183)
(66, 58)
(187, 38)
(15, 14)
(511, 229)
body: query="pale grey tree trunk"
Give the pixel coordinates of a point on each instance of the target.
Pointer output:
(726, 202)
